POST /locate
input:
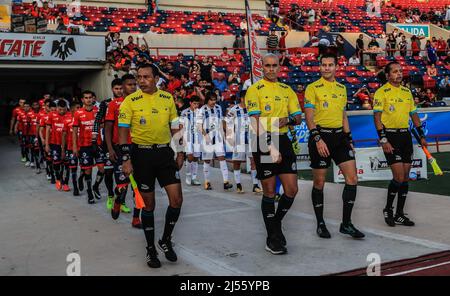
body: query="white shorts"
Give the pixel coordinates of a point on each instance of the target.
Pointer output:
(209, 152)
(193, 149)
(241, 156)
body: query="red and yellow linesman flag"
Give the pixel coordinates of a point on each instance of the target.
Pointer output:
(5, 15)
(255, 55)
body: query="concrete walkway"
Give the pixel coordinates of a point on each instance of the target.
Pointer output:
(219, 233)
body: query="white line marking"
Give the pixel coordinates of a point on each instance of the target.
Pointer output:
(418, 269)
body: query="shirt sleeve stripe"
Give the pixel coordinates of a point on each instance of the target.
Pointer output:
(124, 125)
(413, 112)
(310, 106)
(377, 111)
(296, 113)
(254, 113)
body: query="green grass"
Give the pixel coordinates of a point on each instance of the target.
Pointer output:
(434, 184)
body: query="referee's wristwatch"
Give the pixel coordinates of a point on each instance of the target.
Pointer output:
(125, 157)
(383, 140)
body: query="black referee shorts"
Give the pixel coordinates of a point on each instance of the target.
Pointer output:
(338, 146)
(265, 168)
(154, 162)
(401, 141)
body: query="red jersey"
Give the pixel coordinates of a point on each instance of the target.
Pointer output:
(43, 117)
(22, 121)
(113, 115)
(68, 129)
(84, 120)
(56, 122)
(32, 119)
(16, 111)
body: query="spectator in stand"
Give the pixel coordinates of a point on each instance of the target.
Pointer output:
(174, 83)
(61, 28)
(225, 56)
(181, 66)
(234, 77)
(360, 48)
(112, 40)
(431, 53)
(243, 25)
(301, 96)
(284, 59)
(441, 47)
(444, 88)
(431, 97)
(220, 83)
(206, 70)
(239, 42)
(403, 46)
(354, 60)
(391, 45)
(297, 60)
(311, 16)
(272, 42)
(209, 16)
(340, 43)
(237, 56)
(415, 46)
(130, 44)
(431, 70)
(363, 96)
(282, 42)
(447, 60)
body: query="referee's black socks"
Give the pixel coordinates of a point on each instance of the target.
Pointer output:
(402, 192)
(393, 188)
(148, 225)
(348, 198)
(172, 215)
(317, 201)
(268, 212)
(284, 204)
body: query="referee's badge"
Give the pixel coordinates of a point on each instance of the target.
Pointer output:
(267, 107)
(142, 121)
(325, 104)
(391, 108)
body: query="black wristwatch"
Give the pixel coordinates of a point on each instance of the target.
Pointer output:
(125, 157)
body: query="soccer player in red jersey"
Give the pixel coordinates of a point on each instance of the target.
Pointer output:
(33, 144)
(83, 123)
(42, 127)
(128, 83)
(20, 130)
(42, 112)
(53, 137)
(70, 159)
(12, 126)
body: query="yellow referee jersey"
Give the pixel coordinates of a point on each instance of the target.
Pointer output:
(328, 99)
(148, 116)
(271, 100)
(396, 105)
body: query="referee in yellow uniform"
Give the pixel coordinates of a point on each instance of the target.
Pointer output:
(393, 106)
(330, 139)
(272, 106)
(150, 113)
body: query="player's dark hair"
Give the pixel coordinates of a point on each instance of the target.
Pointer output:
(74, 103)
(210, 96)
(52, 104)
(116, 82)
(127, 77)
(62, 103)
(88, 92)
(388, 67)
(47, 101)
(195, 99)
(329, 55)
(155, 70)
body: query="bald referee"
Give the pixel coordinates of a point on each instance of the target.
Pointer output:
(272, 106)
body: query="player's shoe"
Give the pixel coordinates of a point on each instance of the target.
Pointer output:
(97, 193)
(124, 208)
(76, 192)
(91, 199)
(49, 177)
(239, 188)
(274, 246)
(188, 182)
(24, 159)
(195, 182)
(403, 220)
(115, 211)
(227, 185)
(152, 258)
(207, 186)
(136, 223)
(58, 185)
(27, 164)
(351, 230)
(109, 202)
(32, 165)
(389, 217)
(65, 187)
(322, 231)
(256, 189)
(38, 171)
(166, 247)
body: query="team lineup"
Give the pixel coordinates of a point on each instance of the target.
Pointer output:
(139, 135)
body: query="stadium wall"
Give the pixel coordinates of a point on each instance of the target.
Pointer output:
(99, 82)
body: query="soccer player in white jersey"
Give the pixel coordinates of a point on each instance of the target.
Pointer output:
(191, 140)
(209, 122)
(237, 127)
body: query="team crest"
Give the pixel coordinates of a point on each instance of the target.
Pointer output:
(391, 108)
(142, 121)
(267, 107)
(325, 104)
